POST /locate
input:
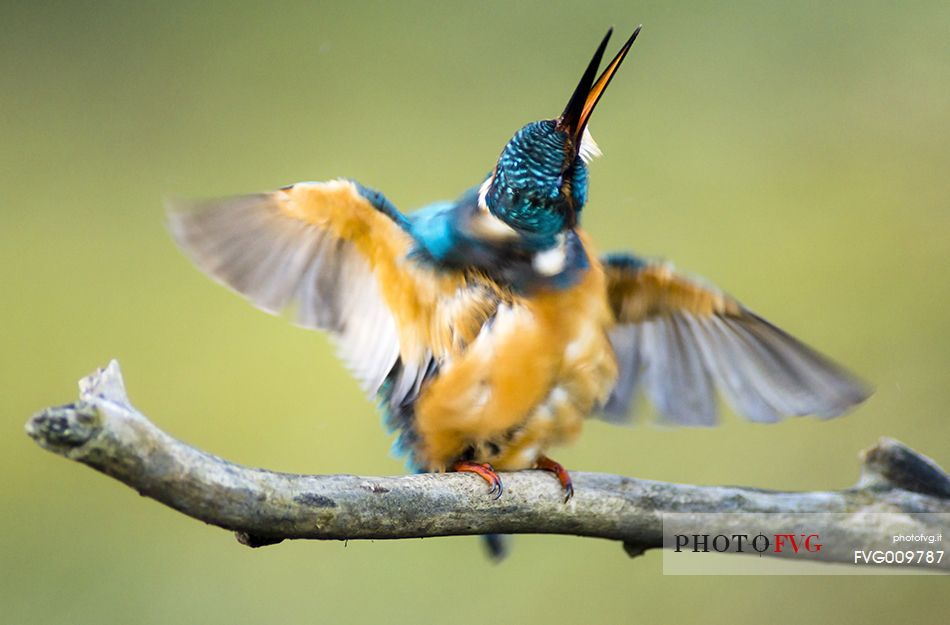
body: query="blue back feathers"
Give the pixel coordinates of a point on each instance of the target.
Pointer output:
(435, 229)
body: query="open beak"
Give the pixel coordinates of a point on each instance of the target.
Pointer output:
(587, 94)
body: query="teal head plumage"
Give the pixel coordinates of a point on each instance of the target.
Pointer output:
(539, 185)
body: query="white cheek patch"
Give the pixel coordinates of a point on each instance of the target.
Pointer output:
(485, 224)
(490, 227)
(483, 193)
(589, 148)
(551, 262)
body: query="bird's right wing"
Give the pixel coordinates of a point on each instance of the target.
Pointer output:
(681, 339)
(335, 252)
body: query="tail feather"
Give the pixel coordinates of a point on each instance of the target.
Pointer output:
(496, 546)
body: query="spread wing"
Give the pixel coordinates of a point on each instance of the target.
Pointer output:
(330, 250)
(680, 340)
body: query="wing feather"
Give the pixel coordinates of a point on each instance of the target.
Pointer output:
(681, 340)
(321, 249)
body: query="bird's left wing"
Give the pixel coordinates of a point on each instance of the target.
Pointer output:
(681, 339)
(331, 250)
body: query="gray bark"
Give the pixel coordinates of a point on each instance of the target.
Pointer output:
(103, 430)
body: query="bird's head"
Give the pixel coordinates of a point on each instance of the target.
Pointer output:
(539, 185)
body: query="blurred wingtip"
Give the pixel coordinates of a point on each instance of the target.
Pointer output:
(857, 392)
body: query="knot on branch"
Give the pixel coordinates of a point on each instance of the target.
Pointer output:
(63, 428)
(254, 540)
(891, 463)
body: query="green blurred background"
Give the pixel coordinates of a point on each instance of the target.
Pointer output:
(796, 155)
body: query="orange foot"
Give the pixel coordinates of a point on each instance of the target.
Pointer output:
(485, 471)
(546, 464)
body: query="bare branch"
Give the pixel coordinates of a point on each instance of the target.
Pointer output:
(103, 431)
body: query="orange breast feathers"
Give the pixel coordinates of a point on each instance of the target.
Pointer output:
(534, 371)
(515, 374)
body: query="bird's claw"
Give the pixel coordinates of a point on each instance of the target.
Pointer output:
(546, 464)
(484, 471)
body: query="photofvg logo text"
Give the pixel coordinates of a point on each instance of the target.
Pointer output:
(743, 543)
(804, 544)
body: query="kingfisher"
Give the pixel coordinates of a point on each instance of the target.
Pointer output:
(488, 328)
